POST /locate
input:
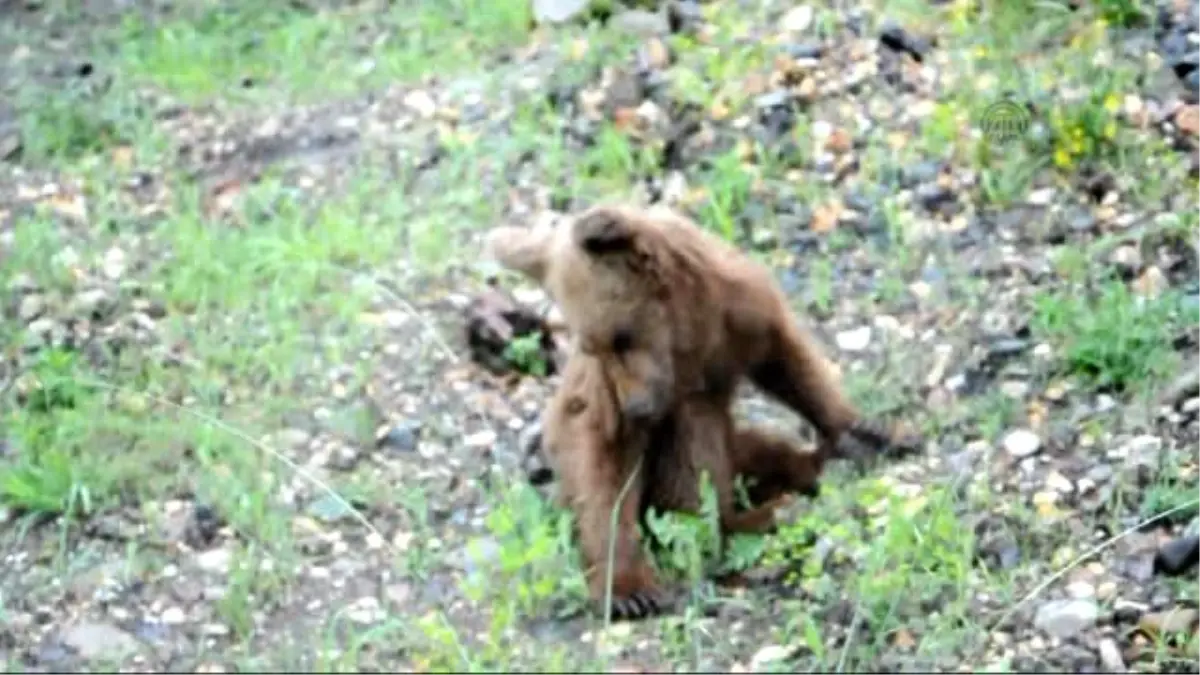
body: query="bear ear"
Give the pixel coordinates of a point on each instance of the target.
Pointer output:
(519, 249)
(603, 230)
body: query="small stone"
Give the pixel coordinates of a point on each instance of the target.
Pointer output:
(292, 439)
(420, 102)
(1059, 483)
(480, 439)
(854, 340)
(217, 560)
(1041, 197)
(1151, 283)
(1081, 590)
(640, 22)
(94, 303)
(398, 594)
(1110, 656)
(798, 19)
(825, 217)
(1190, 407)
(94, 640)
(399, 438)
(1021, 443)
(1106, 590)
(1127, 259)
(768, 655)
(557, 11)
(173, 616)
(365, 610)
(30, 308)
(114, 263)
(1066, 618)
(1188, 119)
(839, 141)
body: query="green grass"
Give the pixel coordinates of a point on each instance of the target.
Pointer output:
(244, 355)
(234, 51)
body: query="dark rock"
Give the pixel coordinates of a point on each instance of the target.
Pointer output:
(922, 172)
(1191, 81)
(684, 16)
(1079, 219)
(400, 438)
(1185, 64)
(1175, 46)
(896, 38)
(807, 50)
(1178, 556)
(934, 197)
(203, 526)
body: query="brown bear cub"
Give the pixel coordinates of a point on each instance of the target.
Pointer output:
(666, 320)
(593, 451)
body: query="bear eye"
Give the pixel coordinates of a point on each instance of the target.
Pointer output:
(622, 341)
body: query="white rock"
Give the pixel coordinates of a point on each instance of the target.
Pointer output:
(421, 102)
(1022, 443)
(767, 656)
(1041, 197)
(798, 19)
(1081, 590)
(1059, 483)
(481, 439)
(217, 560)
(174, 616)
(1110, 656)
(855, 339)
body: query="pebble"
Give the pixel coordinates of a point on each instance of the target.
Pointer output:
(1110, 656)
(854, 340)
(480, 439)
(30, 308)
(174, 616)
(400, 437)
(798, 19)
(93, 640)
(216, 560)
(1081, 590)
(1066, 618)
(1021, 443)
(1041, 197)
(768, 655)
(1059, 483)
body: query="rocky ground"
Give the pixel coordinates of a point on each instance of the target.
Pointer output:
(241, 429)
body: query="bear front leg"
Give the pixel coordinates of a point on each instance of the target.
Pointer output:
(635, 590)
(796, 373)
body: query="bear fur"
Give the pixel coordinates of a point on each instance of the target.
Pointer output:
(665, 321)
(594, 452)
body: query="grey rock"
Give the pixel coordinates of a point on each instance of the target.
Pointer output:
(400, 438)
(1178, 556)
(640, 22)
(30, 307)
(94, 303)
(1066, 618)
(99, 640)
(557, 11)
